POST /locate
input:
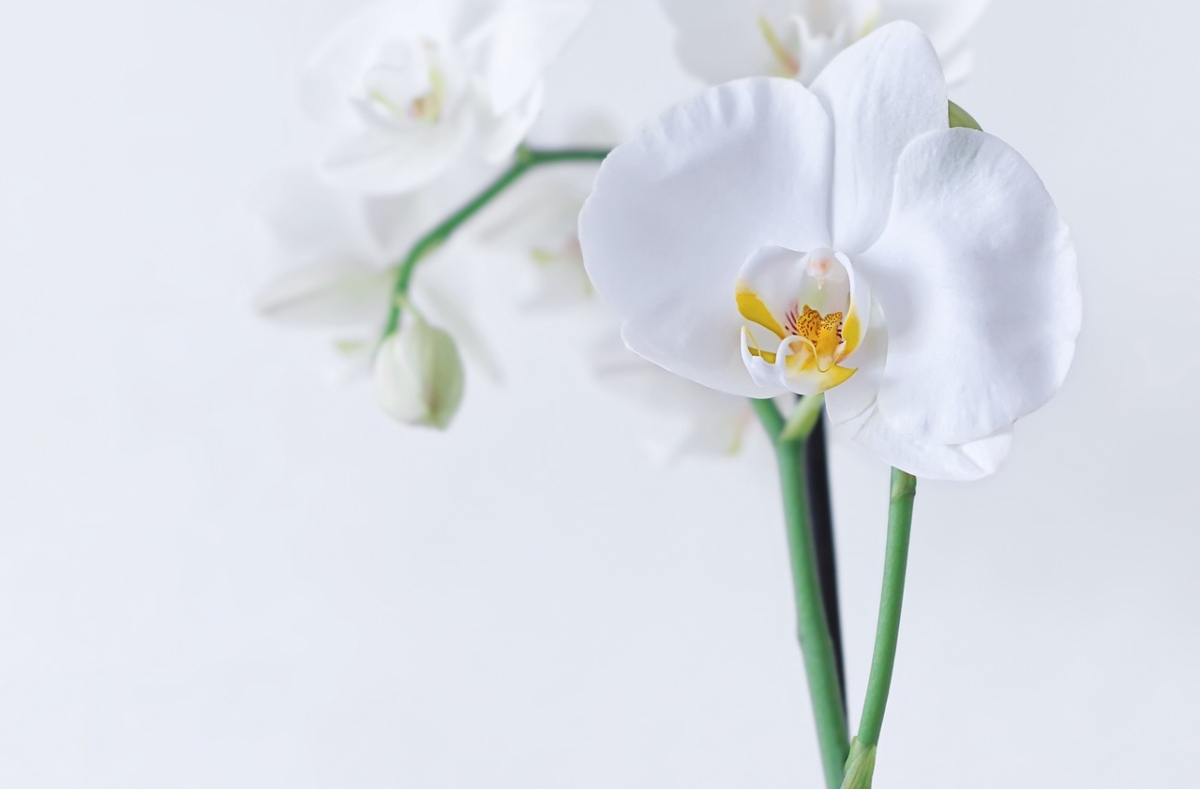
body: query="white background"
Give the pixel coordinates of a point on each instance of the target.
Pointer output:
(216, 569)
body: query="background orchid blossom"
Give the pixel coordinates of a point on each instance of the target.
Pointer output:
(765, 238)
(723, 41)
(539, 222)
(336, 260)
(410, 87)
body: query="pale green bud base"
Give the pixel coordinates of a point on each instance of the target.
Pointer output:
(860, 766)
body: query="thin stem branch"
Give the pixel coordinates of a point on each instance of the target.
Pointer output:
(816, 646)
(887, 633)
(527, 160)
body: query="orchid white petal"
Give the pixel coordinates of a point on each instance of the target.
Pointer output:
(337, 65)
(443, 292)
(848, 404)
(927, 459)
(692, 419)
(500, 135)
(518, 43)
(382, 162)
(945, 22)
(976, 273)
(676, 212)
(336, 292)
(538, 222)
(880, 93)
(734, 24)
(730, 39)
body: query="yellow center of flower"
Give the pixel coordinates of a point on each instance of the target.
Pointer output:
(815, 331)
(823, 333)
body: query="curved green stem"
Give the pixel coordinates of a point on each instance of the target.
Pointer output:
(527, 160)
(816, 644)
(887, 633)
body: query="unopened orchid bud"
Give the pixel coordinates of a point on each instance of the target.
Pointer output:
(419, 374)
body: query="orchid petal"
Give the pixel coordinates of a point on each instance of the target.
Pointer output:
(718, 42)
(518, 43)
(976, 272)
(946, 23)
(926, 459)
(676, 212)
(335, 68)
(380, 162)
(444, 295)
(692, 420)
(848, 403)
(881, 93)
(501, 135)
(335, 292)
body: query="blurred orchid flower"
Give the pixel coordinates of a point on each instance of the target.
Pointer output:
(726, 39)
(690, 419)
(765, 238)
(411, 86)
(539, 221)
(338, 256)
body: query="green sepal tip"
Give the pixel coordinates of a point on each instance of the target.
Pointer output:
(960, 118)
(803, 419)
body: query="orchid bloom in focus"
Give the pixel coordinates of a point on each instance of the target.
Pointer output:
(410, 87)
(765, 238)
(727, 39)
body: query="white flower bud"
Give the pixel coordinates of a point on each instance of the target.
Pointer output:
(419, 374)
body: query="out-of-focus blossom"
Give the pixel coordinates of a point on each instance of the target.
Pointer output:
(409, 87)
(337, 267)
(539, 220)
(763, 238)
(690, 419)
(723, 40)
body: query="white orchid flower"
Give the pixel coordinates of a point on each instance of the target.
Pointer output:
(765, 238)
(412, 86)
(723, 40)
(538, 222)
(337, 268)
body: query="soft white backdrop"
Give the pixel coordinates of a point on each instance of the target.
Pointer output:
(216, 569)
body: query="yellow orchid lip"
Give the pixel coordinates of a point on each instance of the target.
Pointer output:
(813, 345)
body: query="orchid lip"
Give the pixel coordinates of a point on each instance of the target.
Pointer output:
(807, 303)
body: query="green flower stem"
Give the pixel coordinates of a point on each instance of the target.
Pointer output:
(527, 160)
(816, 644)
(883, 660)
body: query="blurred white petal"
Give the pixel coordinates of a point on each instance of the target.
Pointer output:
(333, 292)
